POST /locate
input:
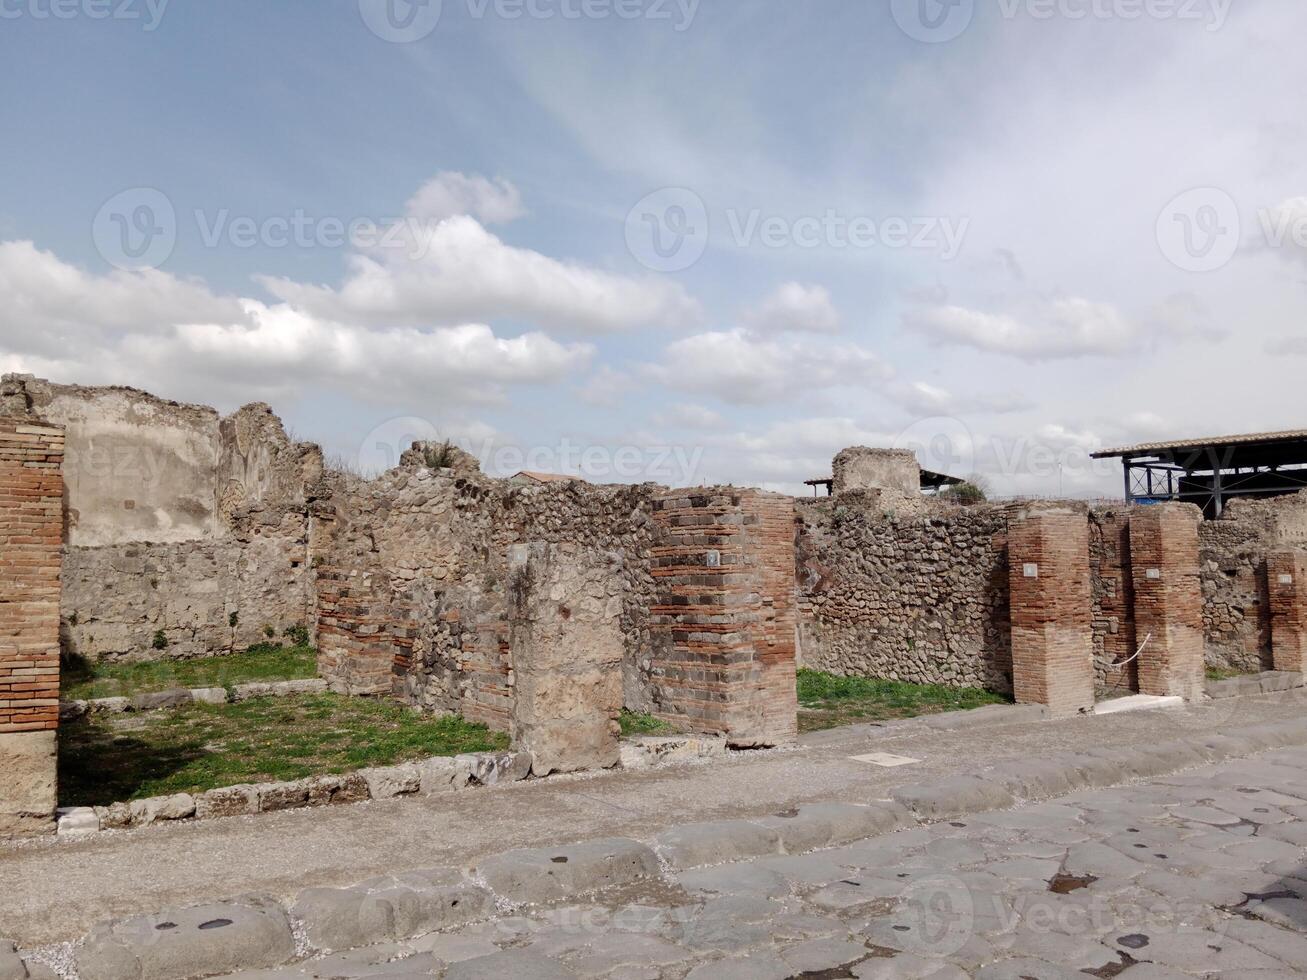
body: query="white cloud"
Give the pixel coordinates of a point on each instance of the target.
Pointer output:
(154, 330)
(605, 388)
(685, 416)
(920, 398)
(450, 193)
(440, 265)
(1062, 328)
(738, 367)
(796, 308)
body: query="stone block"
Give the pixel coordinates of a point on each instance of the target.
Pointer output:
(953, 797)
(79, 821)
(820, 825)
(11, 966)
(646, 751)
(519, 964)
(444, 774)
(160, 700)
(697, 844)
(283, 796)
(27, 783)
(539, 875)
(490, 768)
(209, 695)
(228, 801)
(248, 934)
(387, 782)
(176, 807)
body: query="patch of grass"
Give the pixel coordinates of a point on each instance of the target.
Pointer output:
(828, 701)
(636, 723)
(1224, 673)
(82, 680)
(107, 758)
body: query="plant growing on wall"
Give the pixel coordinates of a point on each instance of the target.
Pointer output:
(160, 641)
(233, 620)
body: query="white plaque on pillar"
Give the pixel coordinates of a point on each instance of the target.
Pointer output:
(1154, 574)
(1286, 580)
(1030, 570)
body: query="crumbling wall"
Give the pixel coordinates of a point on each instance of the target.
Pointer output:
(413, 580)
(913, 598)
(1113, 601)
(187, 532)
(1232, 553)
(862, 468)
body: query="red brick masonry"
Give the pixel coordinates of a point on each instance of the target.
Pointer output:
(31, 542)
(1286, 576)
(1052, 610)
(724, 563)
(1168, 599)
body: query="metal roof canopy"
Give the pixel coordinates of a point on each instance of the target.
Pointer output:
(930, 480)
(1209, 472)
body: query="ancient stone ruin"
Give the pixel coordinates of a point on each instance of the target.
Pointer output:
(136, 528)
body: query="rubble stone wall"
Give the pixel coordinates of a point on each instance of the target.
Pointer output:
(921, 598)
(412, 580)
(179, 520)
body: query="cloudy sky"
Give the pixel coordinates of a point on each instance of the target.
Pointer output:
(662, 239)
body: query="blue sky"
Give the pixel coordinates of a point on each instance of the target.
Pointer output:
(1075, 223)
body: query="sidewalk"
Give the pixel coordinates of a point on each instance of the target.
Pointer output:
(54, 890)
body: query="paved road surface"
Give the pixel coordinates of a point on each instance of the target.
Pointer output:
(66, 887)
(1201, 874)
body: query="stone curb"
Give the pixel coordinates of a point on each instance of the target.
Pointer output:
(405, 906)
(428, 777)
(1267, 682)
(175, 698)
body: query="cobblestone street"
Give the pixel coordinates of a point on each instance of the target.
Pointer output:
(1198, 874)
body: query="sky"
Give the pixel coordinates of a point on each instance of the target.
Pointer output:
(687, 241)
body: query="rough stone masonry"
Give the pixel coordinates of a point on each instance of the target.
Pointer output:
(31, 539)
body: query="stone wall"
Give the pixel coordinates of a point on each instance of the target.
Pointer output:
(31, 541)
(412, 583)
(187, 531)
(1115, 669)
(913, 598)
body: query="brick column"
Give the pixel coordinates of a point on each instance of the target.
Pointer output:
(31, 558)
(724, 621)
(1168, 599)
(566, 646)
(1286, 578)
(1051, 607)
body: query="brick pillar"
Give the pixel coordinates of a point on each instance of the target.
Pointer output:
(724, 621)
(1286, 578)
(1168, 599)
(1051, 607)
(566, 646)
(31, 558)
